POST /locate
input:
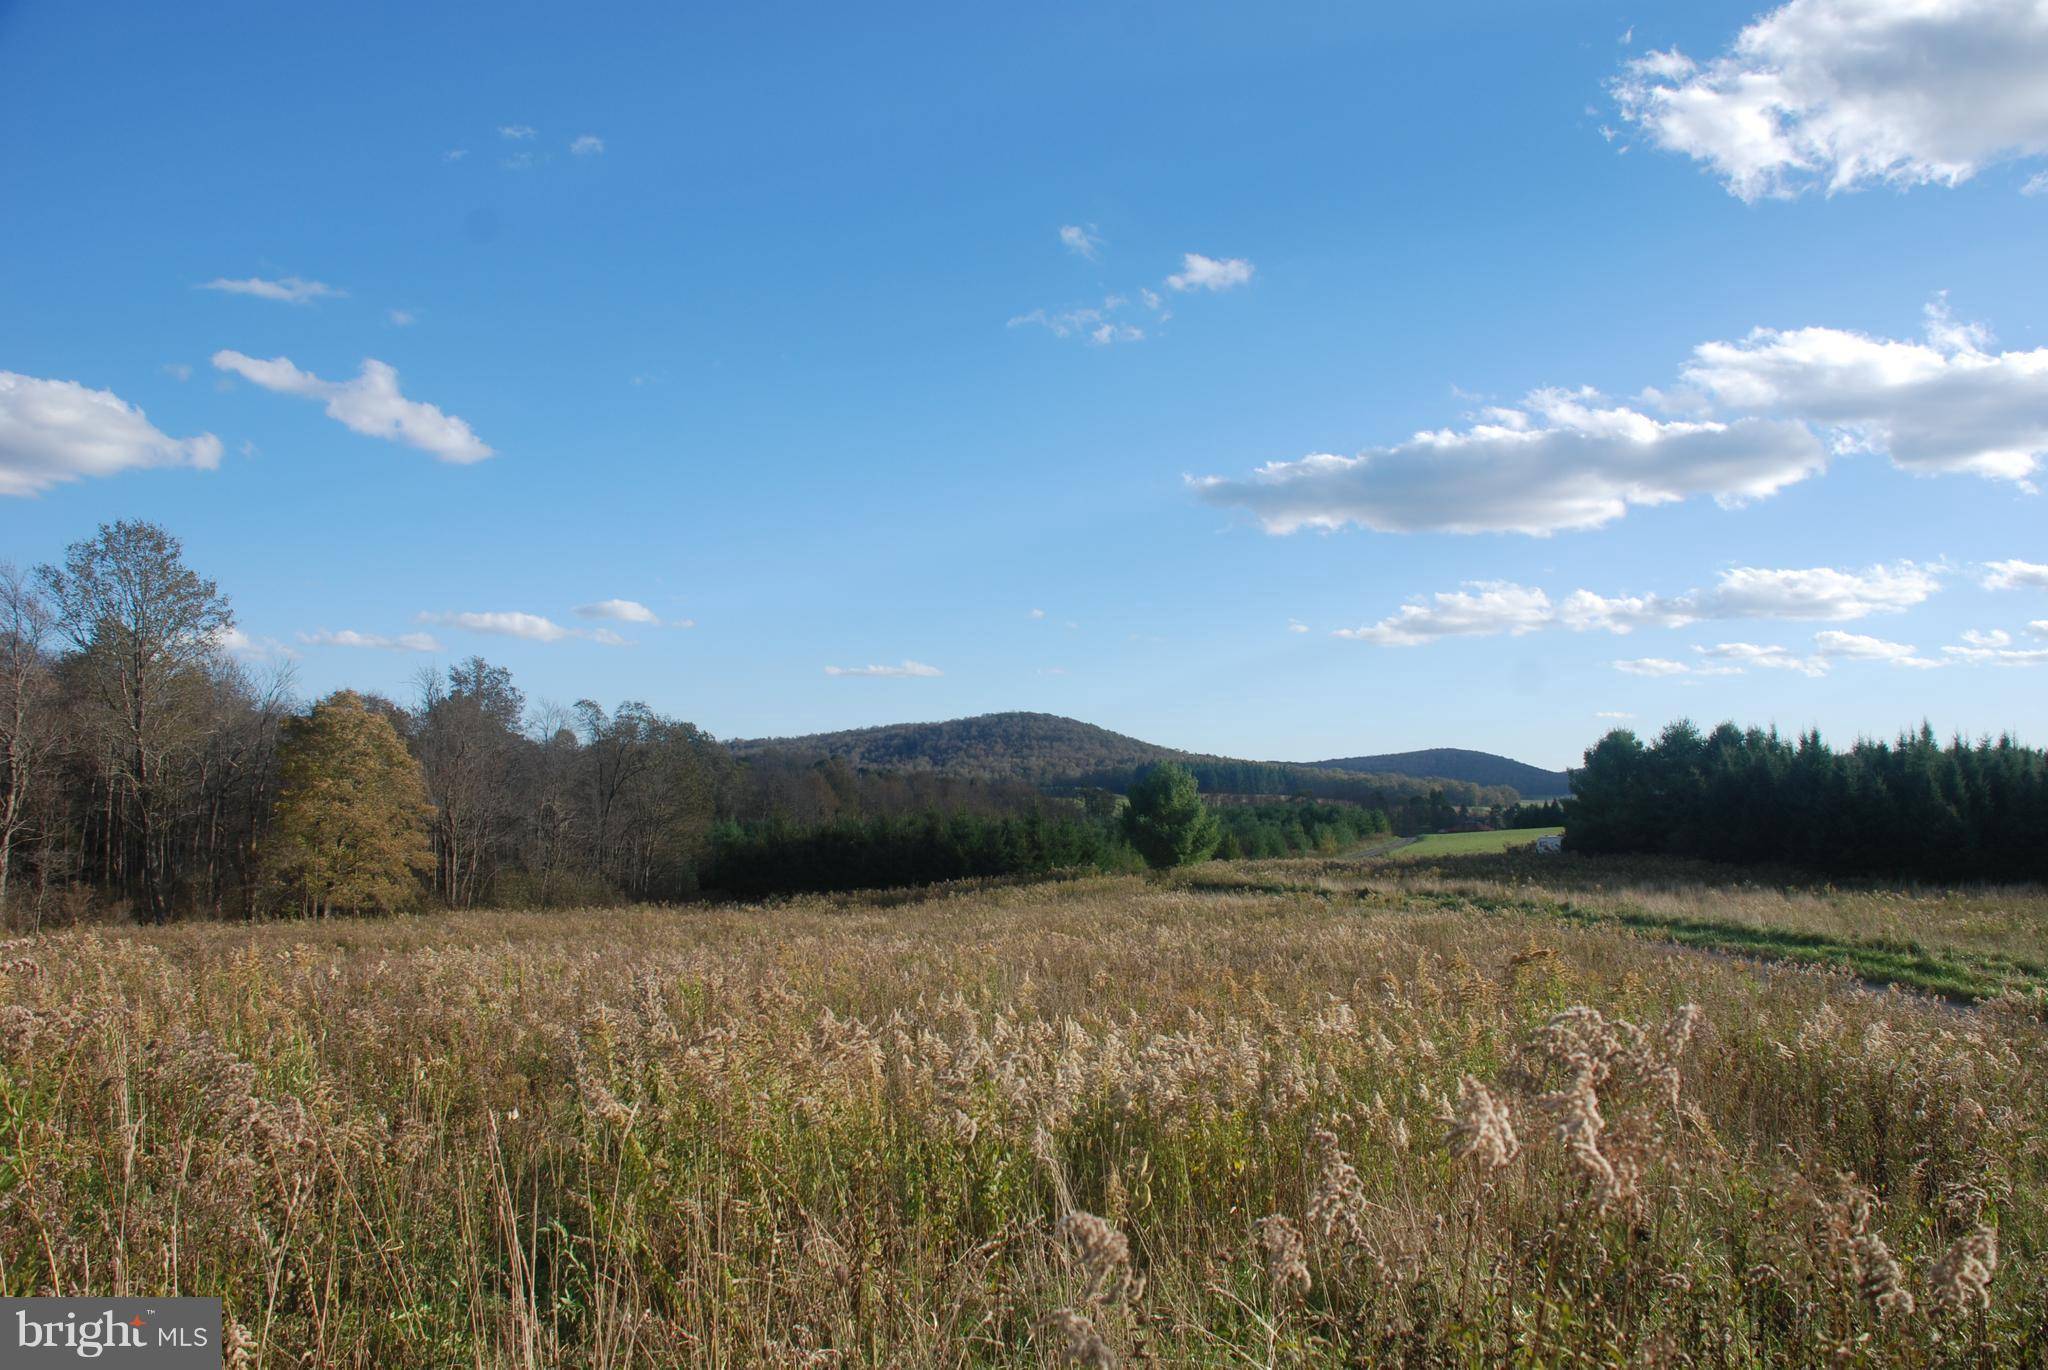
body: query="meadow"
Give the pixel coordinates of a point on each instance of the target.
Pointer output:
(1473, 843)
(1453, 1110)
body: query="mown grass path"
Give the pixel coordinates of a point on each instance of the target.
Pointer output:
(1952, 972)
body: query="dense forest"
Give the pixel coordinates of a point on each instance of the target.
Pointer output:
(1263, 830)
(1913, 807)
(1458, 763)
(141, 764)
(144, 769)
(1051, 751)
(915, 849)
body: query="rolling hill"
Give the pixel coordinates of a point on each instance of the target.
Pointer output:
(1047, 749)
(1456, 763)
(1040, 749)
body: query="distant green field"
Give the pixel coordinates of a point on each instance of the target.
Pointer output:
(1465, 843)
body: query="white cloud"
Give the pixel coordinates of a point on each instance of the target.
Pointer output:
(619, 611)
(1938, 406)
(1584, 611)
(1612, 713)
(1997, 637)
(2015, 575)
(1834, 643)
(349, 637)
(178, 371)
(1847, 93)
(1741, 655)
(1653, 666)
(1035, 614)
(2038, 627)
(1210, 273)
(907, 669)
(1563, 461)
(370, 404)
(1819, 593)
(57, 431)
(1295, 625)
(504, 623)
(401, 318)
(2036, 184)
(1757, 415)
(289, 290)
(529, 627)
(455, 154)
(1999, 655)
(517, 133)
(1094, 324)
(1085, 242)
(248, 648)
(1482, 609)
(589, 145)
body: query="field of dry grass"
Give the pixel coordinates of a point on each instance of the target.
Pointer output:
(1289, 1113)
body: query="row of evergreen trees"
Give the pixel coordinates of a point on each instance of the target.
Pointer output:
(919, 849)
(1265, 830)
(1913, 807)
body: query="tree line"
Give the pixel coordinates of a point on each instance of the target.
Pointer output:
(1913, 807)
(1298, 828)
(142, 767)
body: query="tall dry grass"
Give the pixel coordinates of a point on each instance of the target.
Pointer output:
(1100, 1122)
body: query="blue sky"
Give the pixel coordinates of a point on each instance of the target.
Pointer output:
(791, 346)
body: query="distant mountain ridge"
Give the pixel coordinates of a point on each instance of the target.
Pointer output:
(1456, 763)
(1039, 748)
(1048, 749)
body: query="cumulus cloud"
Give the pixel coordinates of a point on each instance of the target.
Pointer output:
(619, 610)
(1295, 625)
(589, 145)
(1481, 609)
(529, 627)
(1084, 242)
(1035, 615)
(2038, 627)
(1842, 94)
(1944, 404)
(1741, 655)
(1653, 666)
(251, 648)
(517, 133)
(1736, 658)
(1564, 460)
(1819, 593)
(289, 290)
(57, 431)
(1210, 273)
(1612, 713)
(401, 318)
(2015, 575)
(1583, 611)
(1996, 653)
(349, 637)
(1751, 418)
(370, 404)
(1843, 646)
(907, 669)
